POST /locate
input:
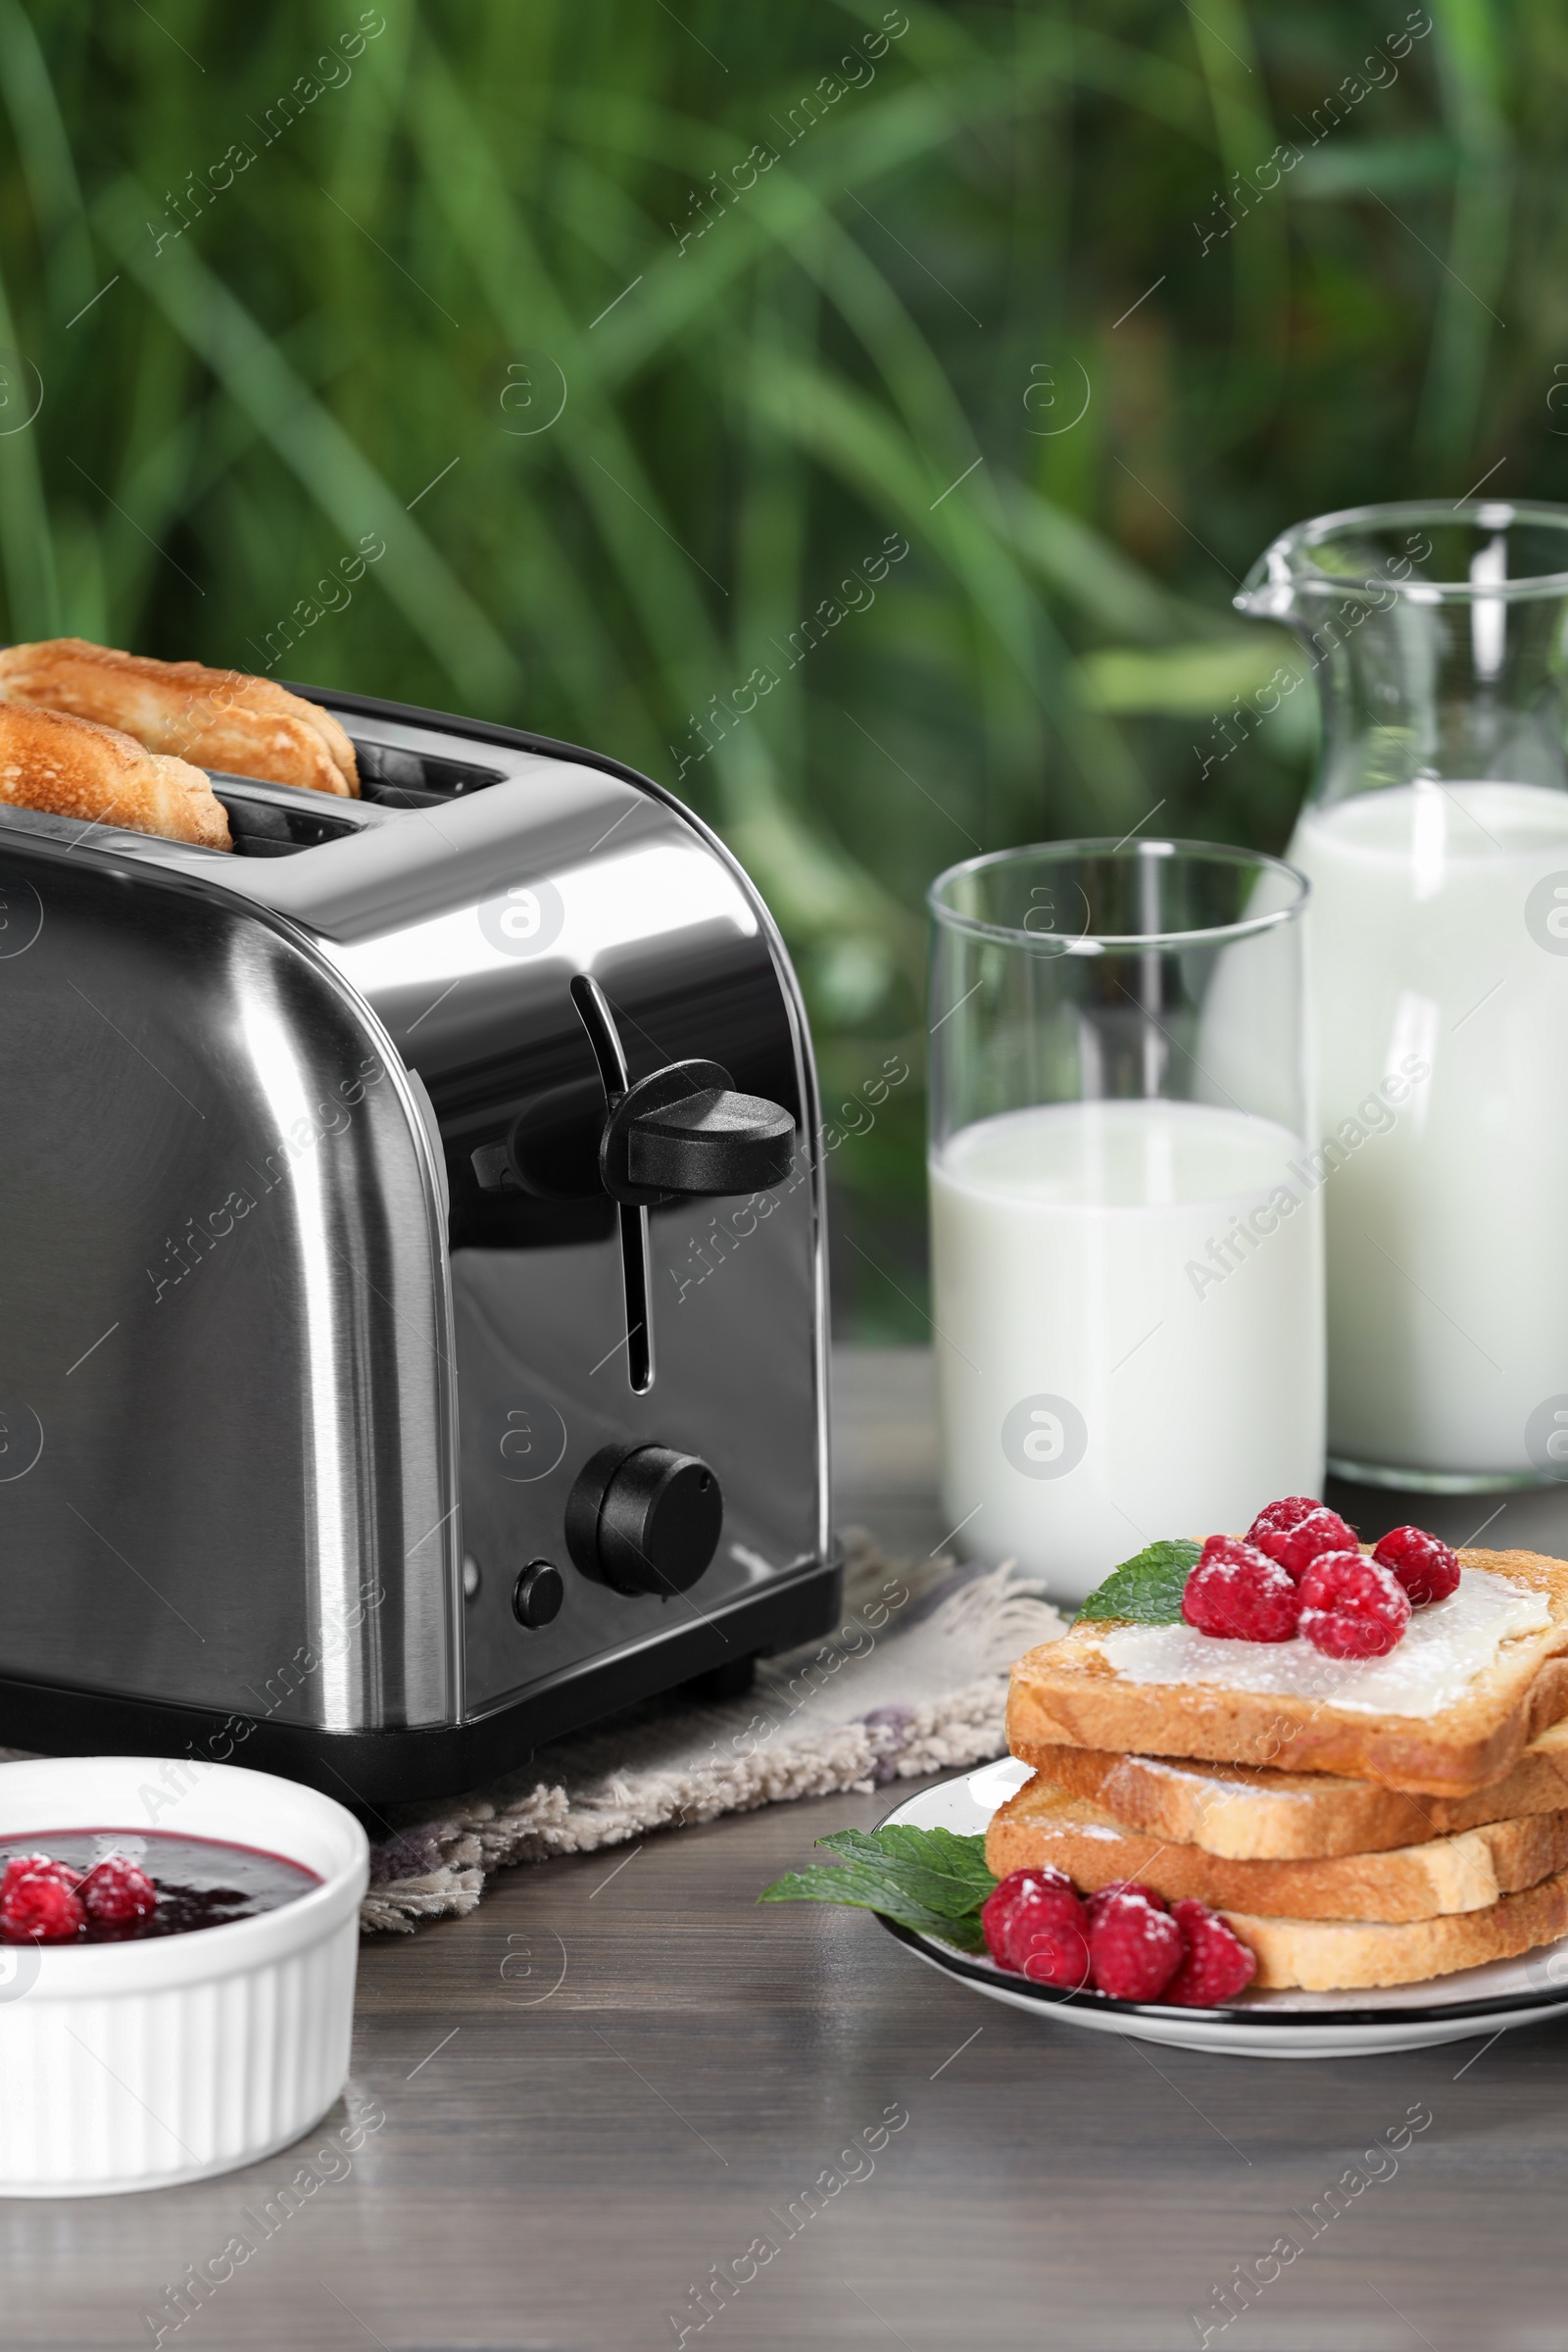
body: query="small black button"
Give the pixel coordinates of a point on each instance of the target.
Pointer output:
(537, 1595)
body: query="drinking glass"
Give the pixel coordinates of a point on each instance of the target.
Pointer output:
(1436, 839)
(1125, 1213)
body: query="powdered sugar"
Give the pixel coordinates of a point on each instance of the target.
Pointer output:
(1444, 1647)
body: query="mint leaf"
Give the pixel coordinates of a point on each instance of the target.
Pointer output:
(1148, 1588)
(944, 1872)
(928, 1879)
(865, 1894)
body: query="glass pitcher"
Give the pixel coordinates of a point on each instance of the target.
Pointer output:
(1436, 841)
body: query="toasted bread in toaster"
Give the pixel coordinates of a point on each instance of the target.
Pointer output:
(1250, 1813)
(1323, 1955)
(72, 768)
(1465, 1871)
(1067, 1694)
(220, 718)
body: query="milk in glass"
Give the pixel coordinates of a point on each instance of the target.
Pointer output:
(1127, 1298)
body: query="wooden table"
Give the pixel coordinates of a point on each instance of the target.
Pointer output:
(617, 2074)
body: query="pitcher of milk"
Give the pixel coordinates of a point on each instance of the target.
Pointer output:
(1436, 841)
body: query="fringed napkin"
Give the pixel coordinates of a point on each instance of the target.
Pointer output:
(913, 1680)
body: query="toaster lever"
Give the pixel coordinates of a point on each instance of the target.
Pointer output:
(685, 1130)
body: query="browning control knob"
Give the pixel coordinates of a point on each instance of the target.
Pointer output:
(644, 1519)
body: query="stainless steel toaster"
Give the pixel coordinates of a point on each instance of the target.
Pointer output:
(412, 1269)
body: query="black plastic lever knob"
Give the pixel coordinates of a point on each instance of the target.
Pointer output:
(685, 1130)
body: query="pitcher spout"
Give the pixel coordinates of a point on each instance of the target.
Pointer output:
(1269, 592)
(1431, 630)
(1366, 555)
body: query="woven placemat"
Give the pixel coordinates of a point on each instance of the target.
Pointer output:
(913, 1679)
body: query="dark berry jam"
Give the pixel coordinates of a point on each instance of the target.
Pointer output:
(201, 1882)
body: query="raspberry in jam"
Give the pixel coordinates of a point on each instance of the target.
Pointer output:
(120, 1885)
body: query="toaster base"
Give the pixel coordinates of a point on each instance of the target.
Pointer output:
(369, 1768)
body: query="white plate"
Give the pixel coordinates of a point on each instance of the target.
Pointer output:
(1257, 2025)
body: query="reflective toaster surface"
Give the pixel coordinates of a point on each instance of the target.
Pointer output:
(292, 1391)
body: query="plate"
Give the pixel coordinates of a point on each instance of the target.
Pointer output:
(1259, 2025)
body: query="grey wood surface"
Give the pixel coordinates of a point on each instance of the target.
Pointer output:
(617, 2073)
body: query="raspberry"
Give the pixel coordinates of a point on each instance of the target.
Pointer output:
(1218, 1964)
(998, 1906)
(1093, 1904)
(40, 1908)
(36, 1866)
(1424, 1565)
(1135, 1949)
(1276, 1518)
(1352, 1607)
(999, 1903)
(1034, 1926)
(115, 1893)
(1298, 1545)
(1239, 1593)
(1049, 1932)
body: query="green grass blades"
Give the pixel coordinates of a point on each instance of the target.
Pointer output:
(634, 333)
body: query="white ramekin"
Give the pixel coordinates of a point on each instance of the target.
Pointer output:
(137, 2065)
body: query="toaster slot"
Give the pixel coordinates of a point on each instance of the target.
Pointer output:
(398, 778)
(277, 820)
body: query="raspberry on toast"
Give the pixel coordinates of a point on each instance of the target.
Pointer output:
(1067, 1694)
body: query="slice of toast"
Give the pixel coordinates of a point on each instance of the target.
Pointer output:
(215, 718)
(1322, 1955)
(74, 768)
(1466, 1872)
(1248, 1812)
(1067, 1694)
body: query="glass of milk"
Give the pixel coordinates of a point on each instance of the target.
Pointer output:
(1126, 1238)
(1436, 838)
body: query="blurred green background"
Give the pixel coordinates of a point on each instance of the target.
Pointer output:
(640, 334)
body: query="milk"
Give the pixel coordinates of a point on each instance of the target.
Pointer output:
(1128, 1329)
(1448, 1233)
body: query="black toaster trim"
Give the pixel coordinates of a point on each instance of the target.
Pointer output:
(367, 1769)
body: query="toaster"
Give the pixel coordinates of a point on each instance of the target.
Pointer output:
(412, 1269)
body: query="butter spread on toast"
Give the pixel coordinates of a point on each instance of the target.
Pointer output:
(1444, 1647)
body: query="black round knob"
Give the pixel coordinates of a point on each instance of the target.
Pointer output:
(538, 1594)
(644, 1519)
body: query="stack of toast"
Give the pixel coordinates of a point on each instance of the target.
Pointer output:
(1347, 1847)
